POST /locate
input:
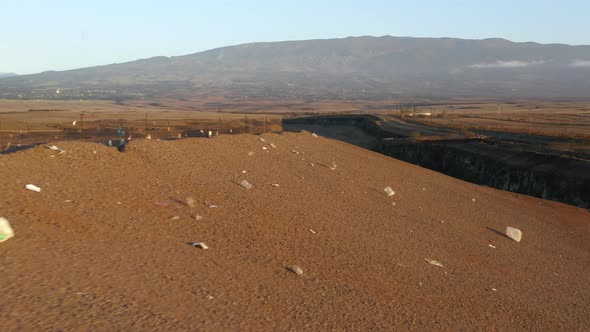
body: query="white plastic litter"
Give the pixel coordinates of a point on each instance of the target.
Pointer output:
(261, 139)
(312, 231)
(74, 123)
(199, 245)
(55, 148)
(273, 146)
(389, 191)
(492, 246)
(264, 148)
(246, 184)
(296, 269)
(275, 184)
(33, 187)
(433, 262)
(6, 231)
(514, 233)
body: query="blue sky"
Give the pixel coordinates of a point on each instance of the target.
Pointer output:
(39, 35)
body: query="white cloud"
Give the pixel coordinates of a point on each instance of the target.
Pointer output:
(508, 64)
(580, 63)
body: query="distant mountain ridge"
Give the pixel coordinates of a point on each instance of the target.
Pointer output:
(7, 75)
(353, 67)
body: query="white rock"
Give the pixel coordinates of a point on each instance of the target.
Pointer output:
(33, 187)
(6, 232)
(296, 269)
(389, 191)
(314, 135)
(514, 233)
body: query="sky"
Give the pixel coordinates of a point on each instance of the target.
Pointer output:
(41, 35)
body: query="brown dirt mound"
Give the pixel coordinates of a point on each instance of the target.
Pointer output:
(112, 259)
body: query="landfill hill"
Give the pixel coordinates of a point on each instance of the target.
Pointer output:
(105, 245)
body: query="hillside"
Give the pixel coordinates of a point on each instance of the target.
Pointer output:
(103, 246)
(354, 67)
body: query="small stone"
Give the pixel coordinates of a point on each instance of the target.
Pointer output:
(514, 233)
(175, 218)
(473, 200)
(296, 269)
(243, 172)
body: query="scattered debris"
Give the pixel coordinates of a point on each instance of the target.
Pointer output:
(55, 148)
(6, 232)
(198, 217)
(33, 187)
(246, 184)
(295, 152)
(261, 139)
(244, 172)
(190, 202)
(199, 245)
(492, 246)
(273, 146)
(296, 269)
(312, 231)
(275, 184)
(163, 203)
(433, 262)
(495, 290)
(473, 199)
(250, 154)
(175, 218)
(264, 148)
(312, 164)
(389, 191)
(314, 135)
(211, 205)
(149, 136)
(514, 233)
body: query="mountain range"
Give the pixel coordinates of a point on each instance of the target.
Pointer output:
(353, 67)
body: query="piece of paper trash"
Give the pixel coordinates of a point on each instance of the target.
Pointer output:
(55, 148)
(6, 232)
(33, 187)
(199, 245)
(389, 191)
(433, 262)
(514, 233)
(246, 184)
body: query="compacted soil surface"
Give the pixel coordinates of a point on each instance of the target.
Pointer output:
(106, 244)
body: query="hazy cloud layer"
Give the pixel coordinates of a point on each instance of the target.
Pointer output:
(580, 63)
(508, 64)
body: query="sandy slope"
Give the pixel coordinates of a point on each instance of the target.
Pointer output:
(95, 264)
